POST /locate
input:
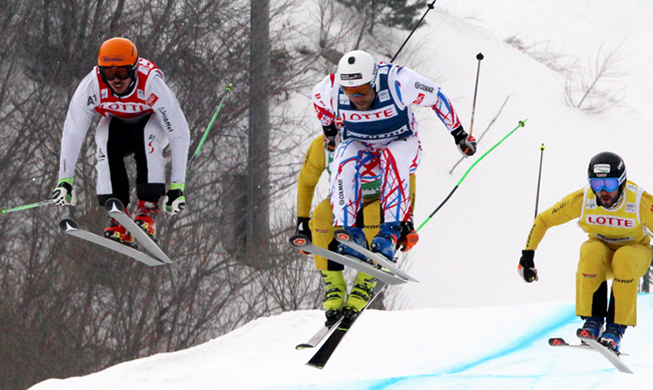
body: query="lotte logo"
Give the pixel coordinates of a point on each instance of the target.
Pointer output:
(602, 220)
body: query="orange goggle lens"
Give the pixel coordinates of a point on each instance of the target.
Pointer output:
(361, 90)
(116, 72)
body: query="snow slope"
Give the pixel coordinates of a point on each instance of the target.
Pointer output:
(473, 323)
(469, 348)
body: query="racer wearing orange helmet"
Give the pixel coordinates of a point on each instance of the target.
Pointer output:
(140, 117)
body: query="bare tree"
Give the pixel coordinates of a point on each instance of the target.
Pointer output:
(596, 88)
(68, 307)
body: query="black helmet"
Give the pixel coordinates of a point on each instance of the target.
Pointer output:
(607, 165)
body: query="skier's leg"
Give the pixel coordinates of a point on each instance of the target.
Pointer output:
(395, 160)
(629, 264)
(334, 282)
(593, 268)
(346, 193)
(322, 232)
(111, 150)
(149, 142)
(112, 182)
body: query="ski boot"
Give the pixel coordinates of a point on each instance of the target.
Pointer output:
(592, 328)
(334, 298)
(360, 295)
(113, 230)
(385, 242)
(358, 236)
(612, 336)
(146, 217)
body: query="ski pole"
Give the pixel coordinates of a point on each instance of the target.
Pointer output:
(27, 206)
(539, 177)
(430, 7)
(521, 124)
(206, 133)
(479, 57)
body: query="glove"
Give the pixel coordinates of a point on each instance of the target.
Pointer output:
(408, 238)
(330, 133)
(465, 142)
(63, 194)
(526, 266)
(174, 199)
(302, 227)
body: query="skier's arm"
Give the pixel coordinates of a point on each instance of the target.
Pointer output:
(171, 118)
(564, 211)
(416, 89)
(322, 98)
(309, 176)
(78, 120)
(567, 209)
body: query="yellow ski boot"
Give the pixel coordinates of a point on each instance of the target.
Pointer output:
(360, 295)
(334, 298)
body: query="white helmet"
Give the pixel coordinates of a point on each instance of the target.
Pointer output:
(356, 68)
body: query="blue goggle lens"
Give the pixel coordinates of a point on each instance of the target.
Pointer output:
(609, 184)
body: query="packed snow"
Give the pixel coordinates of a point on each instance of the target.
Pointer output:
(471, 322)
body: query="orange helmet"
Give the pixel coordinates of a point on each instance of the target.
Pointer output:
(117, 52)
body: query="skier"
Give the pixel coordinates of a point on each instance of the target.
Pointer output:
(615, 213)
(371, 103)
(320, 230)
(140, 116)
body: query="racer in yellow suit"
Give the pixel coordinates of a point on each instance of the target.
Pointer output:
(320, 228)
(616, 214)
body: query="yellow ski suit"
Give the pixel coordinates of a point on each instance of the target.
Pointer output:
(618, 247)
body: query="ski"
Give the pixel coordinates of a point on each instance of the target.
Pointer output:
(344, 237)
(302, 243)
(321, 357)
(609, 354)
(590, 344)
(321, 334)
(71, 227)
(116, 210)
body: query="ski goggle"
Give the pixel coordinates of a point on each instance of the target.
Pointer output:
(359, 90)
(116, 72)
(609, 184)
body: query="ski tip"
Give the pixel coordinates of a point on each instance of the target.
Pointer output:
(299, 240)
(585, 334)
(303, 346)
(68, 225)
(342, 235)
(557, 341)
(113, 205)
(315, 365)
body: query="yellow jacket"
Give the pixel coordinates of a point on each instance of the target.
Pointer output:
(625, 224)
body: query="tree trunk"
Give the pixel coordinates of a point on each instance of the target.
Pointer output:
(258, 232)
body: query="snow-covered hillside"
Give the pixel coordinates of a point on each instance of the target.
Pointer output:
(474, 348)
(471, 322)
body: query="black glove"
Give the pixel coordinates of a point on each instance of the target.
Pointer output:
(526, 266)
(330, 132)
(302, 228)
(408, 237)
(465, 142)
